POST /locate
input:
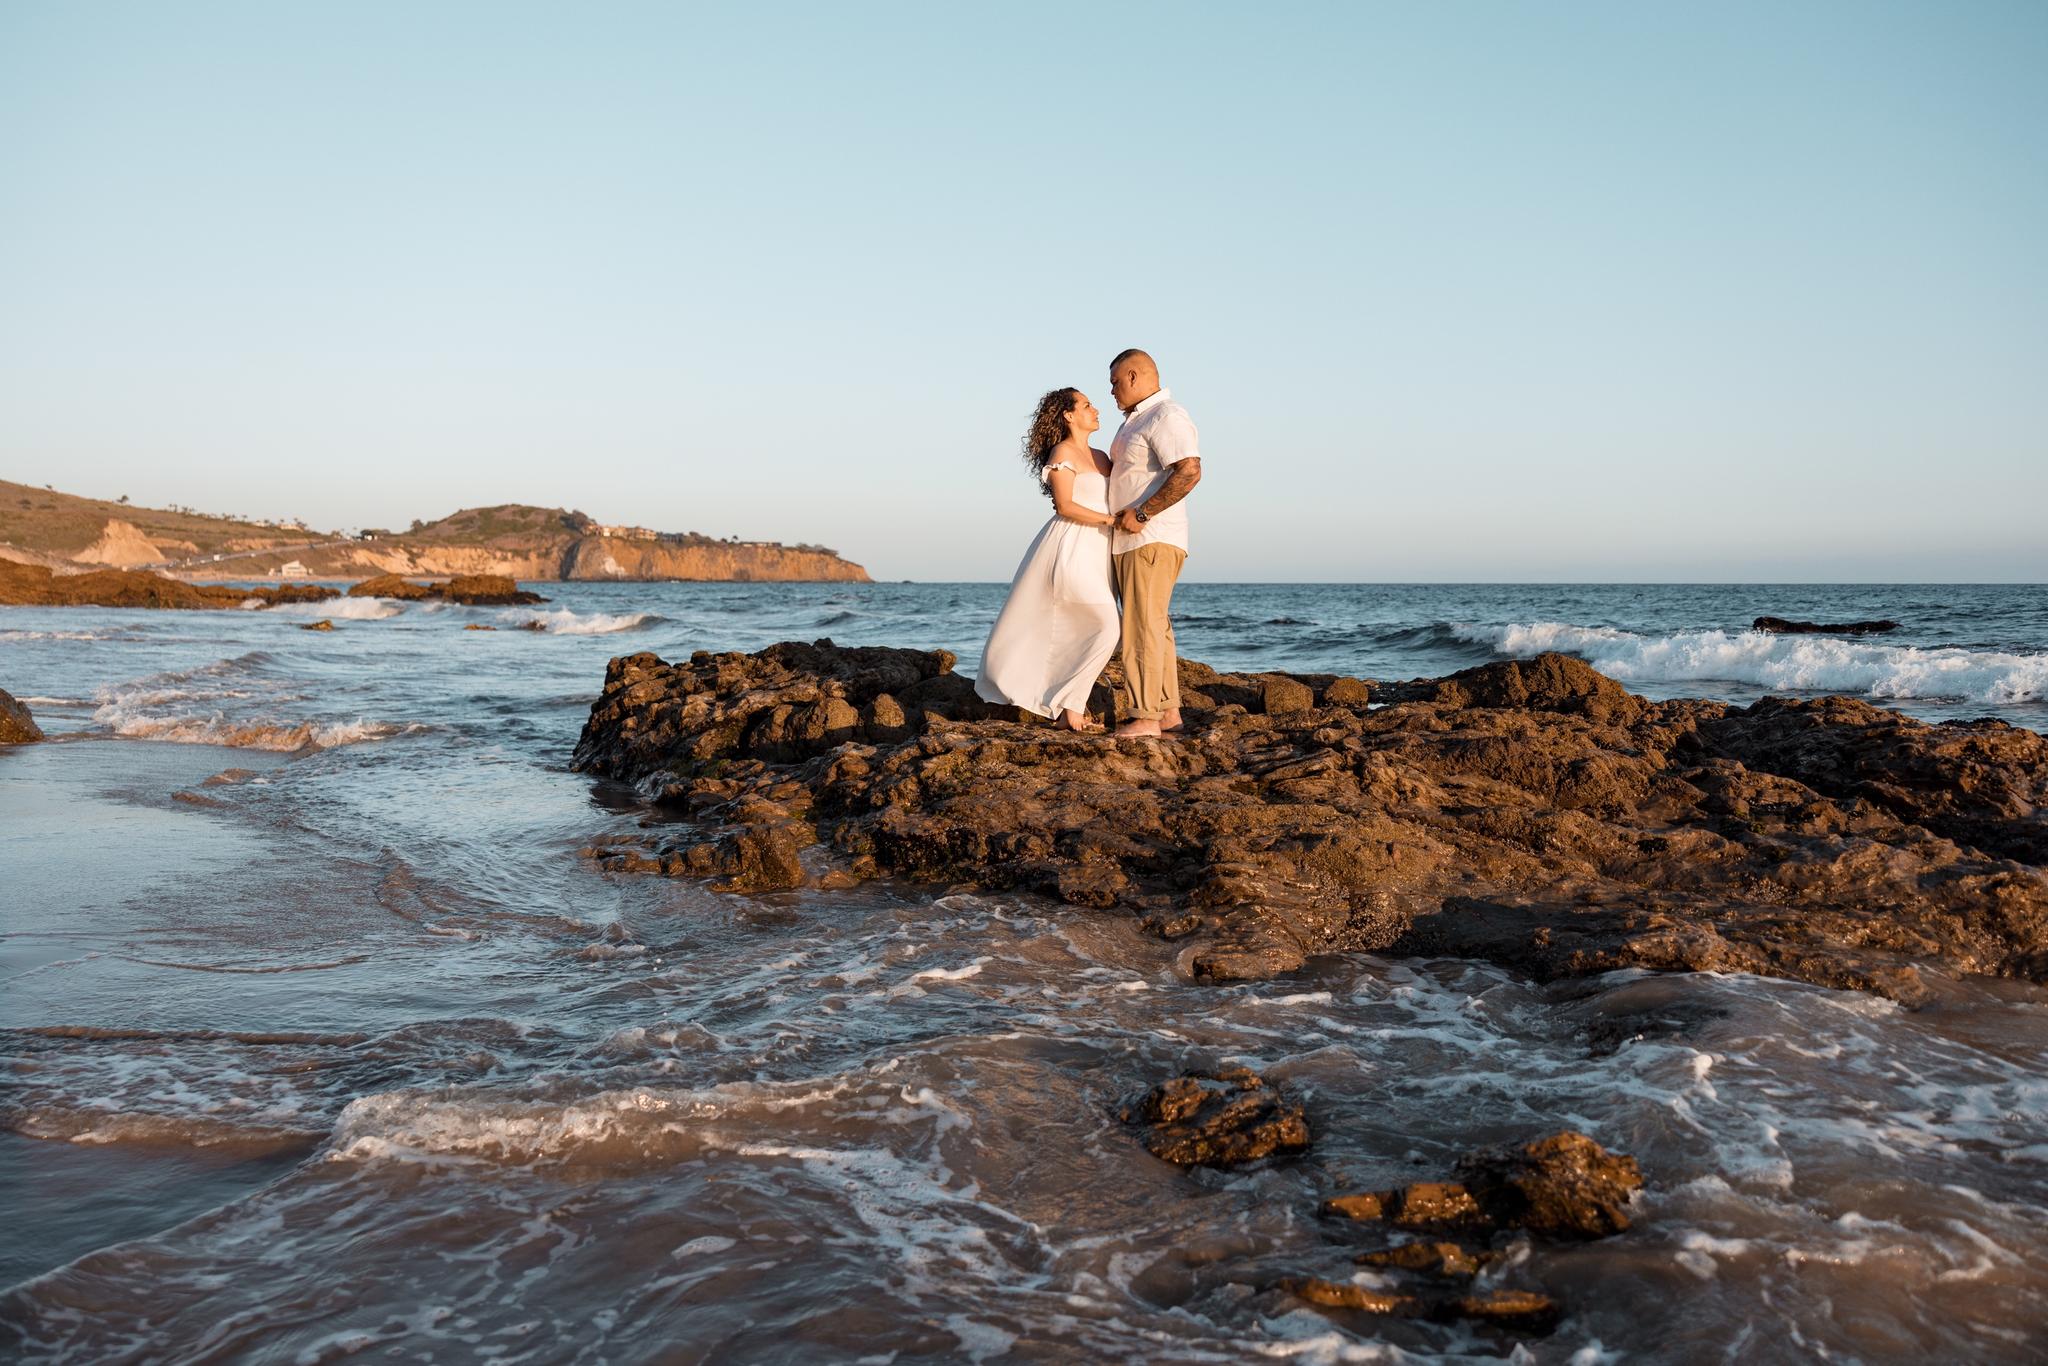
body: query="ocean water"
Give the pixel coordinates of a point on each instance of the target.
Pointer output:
(321, 1041)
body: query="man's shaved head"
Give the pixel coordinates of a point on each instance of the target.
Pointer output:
(1133, 378)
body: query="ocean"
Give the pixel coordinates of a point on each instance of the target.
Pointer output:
(321, 1040)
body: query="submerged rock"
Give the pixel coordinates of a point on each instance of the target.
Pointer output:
(1532, 813)
(1780, 626)
(17, 726)
(1565, 1186)
(472, 590)
(321, 625)
(1218, 1119)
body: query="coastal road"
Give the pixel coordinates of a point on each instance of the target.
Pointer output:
(199, 561)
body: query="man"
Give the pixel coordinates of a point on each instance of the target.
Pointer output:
(1154, 463)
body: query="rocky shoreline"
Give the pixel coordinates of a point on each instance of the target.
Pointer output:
(1532, 814)
(23, 585)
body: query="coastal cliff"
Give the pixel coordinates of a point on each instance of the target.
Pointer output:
(1530, 813)
(66, 533)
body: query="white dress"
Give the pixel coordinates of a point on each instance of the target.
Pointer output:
(1059, 626)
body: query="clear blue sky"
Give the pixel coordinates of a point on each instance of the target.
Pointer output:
(1454, 291)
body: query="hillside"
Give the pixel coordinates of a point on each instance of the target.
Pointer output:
(65, 532)
(47, 526)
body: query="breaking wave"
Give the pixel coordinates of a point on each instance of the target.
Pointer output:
(1780, 663)
(341, 609)
(206, 706)
(564, 622)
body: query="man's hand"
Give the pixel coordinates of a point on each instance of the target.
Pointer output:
(1127, 522)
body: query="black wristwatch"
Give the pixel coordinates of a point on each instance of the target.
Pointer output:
(1141, 515)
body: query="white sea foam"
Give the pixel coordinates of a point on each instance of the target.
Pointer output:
(1784, 663)
(218, 729)
(341, 609)
(561, 621)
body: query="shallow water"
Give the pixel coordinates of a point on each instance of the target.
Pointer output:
(345, 1051)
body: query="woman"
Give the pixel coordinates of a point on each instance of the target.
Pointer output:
(1059, 626)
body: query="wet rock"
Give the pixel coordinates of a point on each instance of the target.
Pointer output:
(1531, 813)
(478, 626)
(1218, 1119)
(321, 625)
(1433, 1257)
(27, 585)
(1780, 626)
(1346, 692)
(1562, 1186)
(472, 590)
(1347, 1295)
(1519, 1310)
(17, 726)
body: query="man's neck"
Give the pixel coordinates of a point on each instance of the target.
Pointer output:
(1139, 401)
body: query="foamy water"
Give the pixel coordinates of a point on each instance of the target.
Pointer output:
(347, 1052)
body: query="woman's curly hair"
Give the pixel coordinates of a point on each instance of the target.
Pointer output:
(1048, 429)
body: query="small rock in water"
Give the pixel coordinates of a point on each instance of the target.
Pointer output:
(478, 626)
(321, 625)
(1218, 1119)
(535, 625)
(1432, 1258)
(1563, 1186)
(17, 726)
(1782, 627)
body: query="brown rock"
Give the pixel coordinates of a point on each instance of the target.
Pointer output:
(1218, 1119)
(1345, 1295)
(17, 726)
(1279, 694)
(1346, 692)
(1433, 1258)
(1525, 1310)
(321, 625)
(389, 586)
(1422, 1204)
(26, 585)
(1529, 813)
(472, 590)
(478, 626)
(1563, 1186)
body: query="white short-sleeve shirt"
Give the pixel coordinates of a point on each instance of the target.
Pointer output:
(1156, 436)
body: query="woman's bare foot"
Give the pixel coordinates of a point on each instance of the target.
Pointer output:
(1078, 721)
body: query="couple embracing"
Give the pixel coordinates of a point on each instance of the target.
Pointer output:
(1118, 534)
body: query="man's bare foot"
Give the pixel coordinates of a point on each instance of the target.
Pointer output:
(1138, 730)
(1170, 719)
(1078, 721)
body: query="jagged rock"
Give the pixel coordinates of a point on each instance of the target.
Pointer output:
(29, 585)
(472, 590)
(1780, 626)
(1521, 1310)
(1530, 813)
(1218, 1119)
(1563, 1186)
(17, 725)
(1435, 1258)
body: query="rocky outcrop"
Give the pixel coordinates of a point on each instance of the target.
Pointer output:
(1218, 1119)
(25, 585)
(17, 726)
(1780, 626)
(471, 590)
(1533, 814)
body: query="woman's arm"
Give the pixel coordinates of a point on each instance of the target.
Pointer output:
(1061, 481)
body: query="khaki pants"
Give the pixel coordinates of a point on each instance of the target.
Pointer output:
(1144, 581)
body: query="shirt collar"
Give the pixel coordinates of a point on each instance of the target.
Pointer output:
(1153, 400)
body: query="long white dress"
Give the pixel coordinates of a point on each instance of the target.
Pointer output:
(1059, 626)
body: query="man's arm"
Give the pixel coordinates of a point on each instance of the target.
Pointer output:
(1181, 478)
